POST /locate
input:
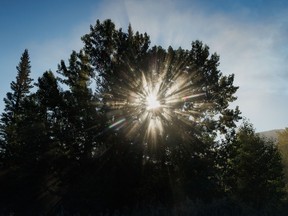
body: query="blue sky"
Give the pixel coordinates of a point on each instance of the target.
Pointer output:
(251, 38)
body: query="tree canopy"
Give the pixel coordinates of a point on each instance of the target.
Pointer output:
(126, 126)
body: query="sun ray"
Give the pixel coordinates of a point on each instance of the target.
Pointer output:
(152, 99)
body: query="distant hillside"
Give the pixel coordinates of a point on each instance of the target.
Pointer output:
(271, 134)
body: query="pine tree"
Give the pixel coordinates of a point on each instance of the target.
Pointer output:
(23, 134)
(80, 132)
(13, 112)
(86, 151)
(256, 176)
(195, 97)
(82, 120)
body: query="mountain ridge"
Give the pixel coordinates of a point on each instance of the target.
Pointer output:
(270, 134)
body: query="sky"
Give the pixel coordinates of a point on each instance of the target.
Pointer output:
(251, 38)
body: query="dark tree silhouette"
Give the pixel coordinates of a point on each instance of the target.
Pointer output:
(256, 173)
(176, 142)
(130, 127)
(20, 141)
(14, 106)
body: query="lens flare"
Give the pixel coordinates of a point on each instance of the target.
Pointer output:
(148, 102)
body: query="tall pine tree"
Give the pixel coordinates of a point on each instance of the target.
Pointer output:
(13, 112)
(22, 137)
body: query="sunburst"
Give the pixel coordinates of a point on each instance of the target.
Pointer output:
(152, 99)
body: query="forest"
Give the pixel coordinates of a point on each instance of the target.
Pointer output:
(126, 128)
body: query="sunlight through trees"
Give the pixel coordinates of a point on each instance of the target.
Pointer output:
(123, 126)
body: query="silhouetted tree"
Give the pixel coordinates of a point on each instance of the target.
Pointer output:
(94, 145)
(13, 112)
(124, 63)
(256, 174)
(22, 139)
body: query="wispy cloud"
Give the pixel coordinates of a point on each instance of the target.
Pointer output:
(256, 52)
(253, 51)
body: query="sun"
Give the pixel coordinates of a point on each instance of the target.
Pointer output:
(151, 102)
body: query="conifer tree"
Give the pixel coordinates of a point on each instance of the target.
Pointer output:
(126, 68)
(79, 130)
(84, 151)
(79, 110)
(256, 172)
(13, 112)
(22, 135)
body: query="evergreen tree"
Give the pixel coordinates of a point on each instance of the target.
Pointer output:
(13, 112)
(80, 132)
(128, 71)
(147, 135)
(82, 120)
(22, 135)
(256, 177)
